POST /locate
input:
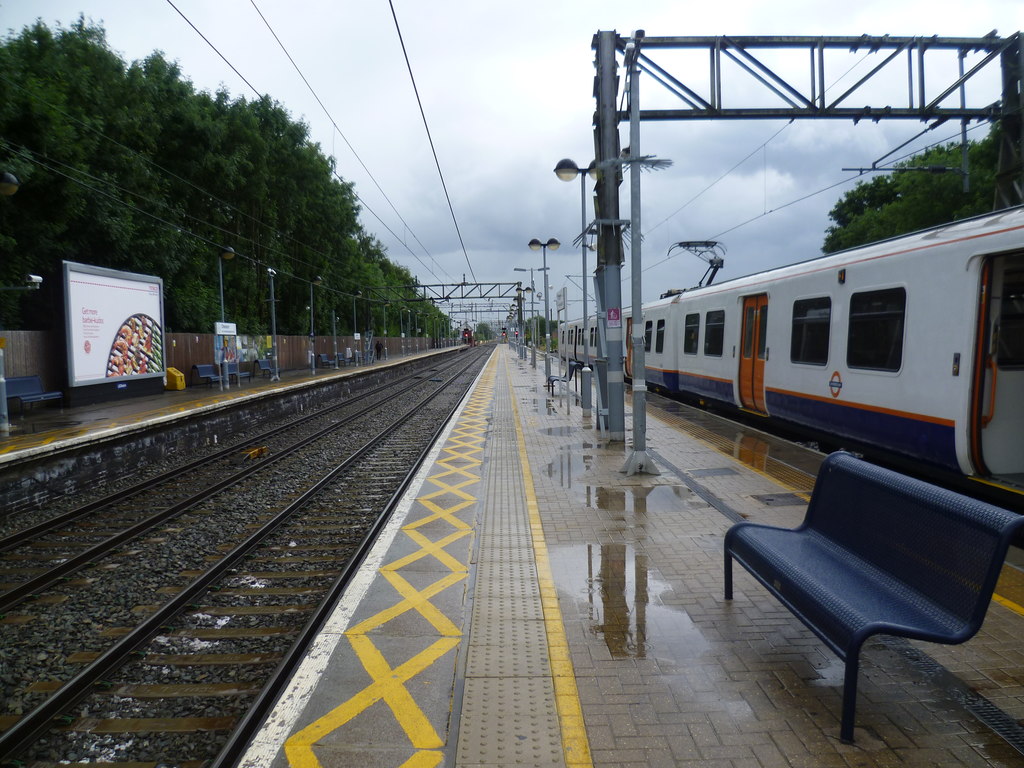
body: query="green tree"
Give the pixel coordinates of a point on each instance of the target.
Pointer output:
(128, 166)
(910, 200)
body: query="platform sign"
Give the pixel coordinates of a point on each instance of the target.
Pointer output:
(114, 324)
(613, 317)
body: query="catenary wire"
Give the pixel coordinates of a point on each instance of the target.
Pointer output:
(430, 139)
(251, 86)
(334, 123)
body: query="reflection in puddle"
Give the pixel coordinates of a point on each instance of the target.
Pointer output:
(573, 461)
(620, 601)
(637, 500)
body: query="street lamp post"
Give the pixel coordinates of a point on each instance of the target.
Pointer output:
(226, 254)
(537, 245)
(567, 170)
(276, 376)
(532, 290)
(355, 328)
(312, 328)
(334, 334)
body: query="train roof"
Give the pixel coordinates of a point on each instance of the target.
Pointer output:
(1006, 221)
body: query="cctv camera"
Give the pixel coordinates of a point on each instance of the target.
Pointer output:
(33, 280)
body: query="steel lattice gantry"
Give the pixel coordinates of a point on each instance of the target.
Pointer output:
(746, 58)
(443, 292)
(930, 95)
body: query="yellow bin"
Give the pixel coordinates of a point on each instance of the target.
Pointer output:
(175, 379)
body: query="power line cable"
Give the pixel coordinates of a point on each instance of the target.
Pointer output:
(430, 139)
(361, 201)
(347, 142)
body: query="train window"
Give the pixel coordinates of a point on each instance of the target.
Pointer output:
(809, 342)
(691, 333)
(762, 333)
(876, 330)
(659, 337)
(714, 332)
(748, 331)
(647, 335)
(1010, 347)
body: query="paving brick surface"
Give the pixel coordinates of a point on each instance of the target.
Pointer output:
(670, 673)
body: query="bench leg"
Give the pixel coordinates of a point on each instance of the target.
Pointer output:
(728, 575)
(849, 697)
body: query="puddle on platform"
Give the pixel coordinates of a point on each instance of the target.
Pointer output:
(572, 462)
(634, 500)
(559, 431)
(614, 593)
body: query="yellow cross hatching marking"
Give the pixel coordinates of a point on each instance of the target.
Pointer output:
(388, 685)
(458, 467)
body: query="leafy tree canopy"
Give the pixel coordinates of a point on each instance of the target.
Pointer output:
(910, 200)
(128, 166)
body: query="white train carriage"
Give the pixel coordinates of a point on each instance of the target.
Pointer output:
(914, 345)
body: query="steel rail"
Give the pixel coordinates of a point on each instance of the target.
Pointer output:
(17, 539)
(32, 725)
(33, 586)
(241, 737)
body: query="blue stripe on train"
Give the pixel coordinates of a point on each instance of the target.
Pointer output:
(934, 443)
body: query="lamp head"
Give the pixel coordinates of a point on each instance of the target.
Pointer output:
(534, 244)
(8, 183)
(227, 253)
(552, 244)
(566, 169)
(317, 280)
(271, 271)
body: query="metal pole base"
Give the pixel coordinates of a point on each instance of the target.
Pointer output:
(640, 463)
(586, 384)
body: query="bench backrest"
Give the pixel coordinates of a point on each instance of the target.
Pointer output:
(24, 385)
(945, 545)
(205, 369)
(263, 364)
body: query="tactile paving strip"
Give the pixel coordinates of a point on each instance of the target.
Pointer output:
(525, 709)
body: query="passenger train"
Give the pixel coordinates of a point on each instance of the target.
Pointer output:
(913, 345)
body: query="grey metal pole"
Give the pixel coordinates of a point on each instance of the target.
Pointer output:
(276, 376)
(5, 422)
(312, 335)
(638, 460)
(610, 230)
(221, 368)
(547, 316)
(334, 333)
(585, 372)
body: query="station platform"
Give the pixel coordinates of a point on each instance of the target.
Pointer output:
(45, 427)
(530, 604)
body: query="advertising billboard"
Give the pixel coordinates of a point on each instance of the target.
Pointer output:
(114, 324)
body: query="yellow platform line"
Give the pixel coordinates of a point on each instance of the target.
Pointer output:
(575, 745)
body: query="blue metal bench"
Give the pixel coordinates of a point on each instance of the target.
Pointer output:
(878, 553)
(206, 372)
(264, 367)
(326, 361)
(29, 389)
(232, 369)
(574, 365)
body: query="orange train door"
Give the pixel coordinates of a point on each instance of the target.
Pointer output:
(753, 352)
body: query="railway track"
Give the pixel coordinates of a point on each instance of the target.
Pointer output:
(157, 624)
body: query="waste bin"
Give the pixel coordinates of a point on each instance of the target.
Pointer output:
(175, 379)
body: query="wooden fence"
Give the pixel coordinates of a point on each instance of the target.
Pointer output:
(43, 353)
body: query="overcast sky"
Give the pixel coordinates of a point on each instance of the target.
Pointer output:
(508, 91)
